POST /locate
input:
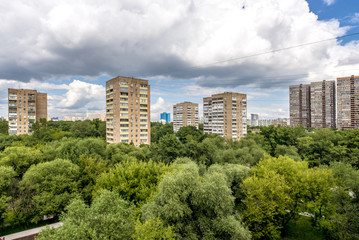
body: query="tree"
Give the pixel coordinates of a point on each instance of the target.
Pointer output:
(278, 189)
(158, 130)
(48, 187)
(109, 217)
(189, 132)
(153, 229)
(198, 207)
(20, 158)
(6, 176)
(4, 128)
(342, 222)
(167, 149)
(90, 169)
(72, 149)
(134, 180)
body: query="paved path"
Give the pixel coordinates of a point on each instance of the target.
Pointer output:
(29, 232)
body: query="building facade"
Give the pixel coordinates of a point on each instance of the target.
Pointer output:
(166, 117)
(225, 114)
(299, 105)
(25, 107)
(185, 114)
(322, 104)
(128, 111)
(348, 102)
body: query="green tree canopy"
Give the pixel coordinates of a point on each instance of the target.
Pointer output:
(6, 177)
(198, 207)
(134, 180)
(109, 217)
(278, 189)
(48, 187)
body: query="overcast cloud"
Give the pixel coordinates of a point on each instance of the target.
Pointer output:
(48, 39)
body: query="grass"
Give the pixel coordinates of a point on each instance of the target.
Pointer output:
(303, 229)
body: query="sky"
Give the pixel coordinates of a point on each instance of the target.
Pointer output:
(187, 49)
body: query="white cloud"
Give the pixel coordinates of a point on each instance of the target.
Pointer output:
(329, 2)
(158, 107)
(146, 38)
(82, 95)
(354, 19)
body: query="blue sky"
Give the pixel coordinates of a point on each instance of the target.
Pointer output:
(69, 49)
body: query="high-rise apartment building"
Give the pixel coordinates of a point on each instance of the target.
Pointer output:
(299, 107)
(128, 111)
(322, 104)
(166, 117)
(348, 102)
(185, 114)
(225, 114)
(25, 107)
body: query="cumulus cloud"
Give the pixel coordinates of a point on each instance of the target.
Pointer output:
(158, 107)
(83, 95)
(175, 39)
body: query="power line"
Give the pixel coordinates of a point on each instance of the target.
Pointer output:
(263, 53)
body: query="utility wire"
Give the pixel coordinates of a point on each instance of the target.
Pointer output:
(263, 53)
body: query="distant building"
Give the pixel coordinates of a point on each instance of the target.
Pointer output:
(25, 107)
(281, 122)
(55, 119)
(322, 104)
(128, 111)
(185, 114)
(92, 116)
(299, 105)
(225, 114)
(254, 119)
(348, 102)
(268, 122)
(166, 117)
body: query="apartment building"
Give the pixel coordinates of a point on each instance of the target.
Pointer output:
(185, 114)
(322, 102)
(225, 114)
(348, 102)
(299, 105)
(128, 111)
(25, 107)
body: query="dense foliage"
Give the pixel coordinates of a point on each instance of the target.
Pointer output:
(185, 185)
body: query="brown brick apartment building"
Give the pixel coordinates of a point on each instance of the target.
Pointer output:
(25, 107)
(348, 102)
(299, 105)
(322, 104)
(128, 111)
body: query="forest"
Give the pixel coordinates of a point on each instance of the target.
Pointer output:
(185, 185)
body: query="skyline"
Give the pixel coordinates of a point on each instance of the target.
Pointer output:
(69, 49)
